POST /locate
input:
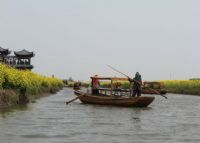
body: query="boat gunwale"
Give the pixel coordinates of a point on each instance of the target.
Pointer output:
(107, 97)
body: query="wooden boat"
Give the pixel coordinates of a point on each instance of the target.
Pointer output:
(111, 96)
(142, 101)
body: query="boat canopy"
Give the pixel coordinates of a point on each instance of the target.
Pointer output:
(109, 78)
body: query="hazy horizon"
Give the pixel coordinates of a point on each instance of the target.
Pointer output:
(159, 39)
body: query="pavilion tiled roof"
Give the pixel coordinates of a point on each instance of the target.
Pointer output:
(5, 51)
(24, 53)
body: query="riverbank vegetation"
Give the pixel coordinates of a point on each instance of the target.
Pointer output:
(182, 86)
(13, 81)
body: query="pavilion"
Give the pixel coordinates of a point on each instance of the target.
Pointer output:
(20, 60)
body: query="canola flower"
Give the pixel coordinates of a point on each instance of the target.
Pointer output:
(11, 78)
(182, 84)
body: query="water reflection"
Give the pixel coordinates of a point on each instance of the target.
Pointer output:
(6, 110)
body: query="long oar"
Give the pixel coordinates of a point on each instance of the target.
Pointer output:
(118, 71)
(74, 99)
(158, 93)
(134, 80)
(123, 74)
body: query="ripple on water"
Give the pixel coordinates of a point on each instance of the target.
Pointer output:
(50, 120)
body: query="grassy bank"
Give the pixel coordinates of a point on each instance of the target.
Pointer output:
(182, 86)
(13, 82)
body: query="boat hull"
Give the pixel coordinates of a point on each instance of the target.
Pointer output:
(142, 101)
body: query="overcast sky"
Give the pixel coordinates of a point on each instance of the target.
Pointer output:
(78, 38)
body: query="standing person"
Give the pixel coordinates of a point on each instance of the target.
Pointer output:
(137, 86)
(95, 85)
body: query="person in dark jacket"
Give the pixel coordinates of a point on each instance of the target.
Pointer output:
(137, 84)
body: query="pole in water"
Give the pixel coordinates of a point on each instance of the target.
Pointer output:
(159, 93)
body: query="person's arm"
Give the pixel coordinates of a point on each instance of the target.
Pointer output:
(138, 82)
(130, 80)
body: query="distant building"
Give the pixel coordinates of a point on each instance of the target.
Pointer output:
(3, 53)
(20, 60)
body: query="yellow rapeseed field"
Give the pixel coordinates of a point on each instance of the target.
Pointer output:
(182, 84)
(11, 78)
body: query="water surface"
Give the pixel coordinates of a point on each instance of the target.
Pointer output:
(50, 120)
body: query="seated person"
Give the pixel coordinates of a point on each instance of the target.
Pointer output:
(95, 85)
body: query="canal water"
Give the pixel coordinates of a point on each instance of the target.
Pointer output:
(50, 120)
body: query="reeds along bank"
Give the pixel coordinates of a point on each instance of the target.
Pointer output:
(11, 78)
